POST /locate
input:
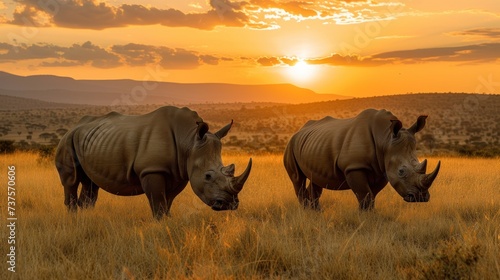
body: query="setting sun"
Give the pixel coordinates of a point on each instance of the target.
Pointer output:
(301, 71)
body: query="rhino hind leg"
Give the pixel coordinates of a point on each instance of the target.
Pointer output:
(313, 194)
(297, 177)
(69, 170)
(88, 194)
(70, 197)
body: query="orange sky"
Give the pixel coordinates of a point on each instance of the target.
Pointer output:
(357, 48)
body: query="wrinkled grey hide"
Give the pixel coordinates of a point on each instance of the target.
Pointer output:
(156, 154)
(362, 154)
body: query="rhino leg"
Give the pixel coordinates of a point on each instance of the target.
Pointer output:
(70, 197)
(358, 183)
(297, 177)
(154, 186)
(69, 171)
(299, 184)
(314, 192)
(173, 192)
(88, 194)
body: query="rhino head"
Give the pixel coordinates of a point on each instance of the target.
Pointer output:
(212, 182)
(405, 173)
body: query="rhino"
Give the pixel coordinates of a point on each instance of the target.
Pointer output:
(363, 154)
(155, 154)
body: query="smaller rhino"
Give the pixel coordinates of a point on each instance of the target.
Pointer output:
(363, 154)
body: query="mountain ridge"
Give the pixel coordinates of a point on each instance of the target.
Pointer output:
(59, 89)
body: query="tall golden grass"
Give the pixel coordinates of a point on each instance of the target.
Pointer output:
(455, 235)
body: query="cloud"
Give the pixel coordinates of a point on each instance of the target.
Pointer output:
(269, 61)
(333, 60)
(169, 58)
(10, 52)
(255, 14)
(479, 53)
(77, 54)
(136, 54)
(340, 60)
(490, 33)
(178, 59)
(117, 55)
(296, 8)
(209, 59)
(90, 53)
(269, 12)
(59, 63)
(91, 14)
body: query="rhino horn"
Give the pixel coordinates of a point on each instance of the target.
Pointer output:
(427, 179)
(228, 170)
(223, 131)
(421, 167)
(238, 182)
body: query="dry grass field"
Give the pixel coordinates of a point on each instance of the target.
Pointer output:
(454, 236)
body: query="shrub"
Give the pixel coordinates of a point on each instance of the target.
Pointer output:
(7, 146)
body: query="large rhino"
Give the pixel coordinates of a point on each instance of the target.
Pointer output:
(156, 154)
(363, 154)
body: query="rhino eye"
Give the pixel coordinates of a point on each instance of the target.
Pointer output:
(402, 172)
(208, 176)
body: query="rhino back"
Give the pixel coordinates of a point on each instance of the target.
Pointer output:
(327, 148)
(115, 150)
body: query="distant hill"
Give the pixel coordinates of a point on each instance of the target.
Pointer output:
(129, 92)
(20, 103)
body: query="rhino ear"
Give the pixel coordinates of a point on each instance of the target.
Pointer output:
(201, 130)
(223, 131)
(396, 126)
(419, 125)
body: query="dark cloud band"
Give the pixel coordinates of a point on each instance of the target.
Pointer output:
(90, 14)
(117, 55)
(479, 53)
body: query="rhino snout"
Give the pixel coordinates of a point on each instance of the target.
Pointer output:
(420, 197)
(221, 204)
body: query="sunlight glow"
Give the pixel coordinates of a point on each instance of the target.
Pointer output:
(301, 71)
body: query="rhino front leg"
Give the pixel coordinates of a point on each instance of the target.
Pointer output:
(154, 186)
(359, 185)
(173, 192)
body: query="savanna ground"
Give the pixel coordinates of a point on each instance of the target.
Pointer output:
(454, 236)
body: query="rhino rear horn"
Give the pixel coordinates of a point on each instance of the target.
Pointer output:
(421, 167)
(238, 182)
(223, 131)
(228, 170)
(427, 179)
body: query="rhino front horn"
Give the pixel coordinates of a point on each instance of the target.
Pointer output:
(238, 182)
(427, 179)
